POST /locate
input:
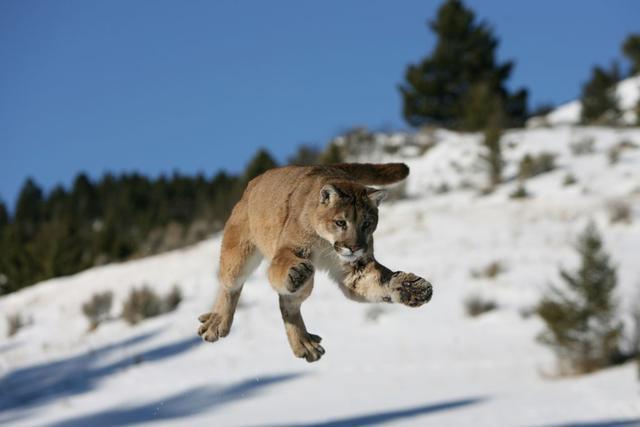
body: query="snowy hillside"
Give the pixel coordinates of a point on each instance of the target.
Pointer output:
(627, 92)
(390, 364)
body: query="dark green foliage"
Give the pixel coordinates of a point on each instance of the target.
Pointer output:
(98, 308)
(631, 49)
(4, 216)
(599, 101)
(531, 166)
(569, 179)
(447, 88)
(306, 155)
(111, 219)
(580, 319)
(331, 155)
(260, 163)
(520, 192)
(542, 110)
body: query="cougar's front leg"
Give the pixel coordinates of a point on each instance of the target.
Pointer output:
(368, 280)
(291, 275)
(289, 271)
(303, 344)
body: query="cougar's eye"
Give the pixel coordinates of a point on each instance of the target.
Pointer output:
(341, 223)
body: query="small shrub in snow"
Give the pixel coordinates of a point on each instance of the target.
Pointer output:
(619, 211)
(173, 299)
(569, 179)
(583, 147)
(97, 309)
(442, 188)
(141, 304)
(476, 305)
(580, 318)
(519, 193)
(493, 157)
(489, 271)
(15, 322)
(614, 153)
(634, 335)
(531, 166)
(144, 303)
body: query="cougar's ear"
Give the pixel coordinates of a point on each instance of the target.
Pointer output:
(329, 194)
(376, 195)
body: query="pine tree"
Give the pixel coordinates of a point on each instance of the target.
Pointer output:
(438, 89)
(631, 49)
(599, 100)
(581, 325)
(260, 163)
(306, 155)
(332, 155)
(4, 216)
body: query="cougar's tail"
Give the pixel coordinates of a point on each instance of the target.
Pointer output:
(375, 174)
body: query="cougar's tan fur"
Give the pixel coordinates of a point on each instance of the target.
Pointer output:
(300, 219)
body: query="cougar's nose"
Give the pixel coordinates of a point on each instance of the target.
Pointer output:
(354, 248)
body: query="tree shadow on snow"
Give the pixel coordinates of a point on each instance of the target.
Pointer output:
(388, 416)
(635, 422)
(28, 387)
(184, 404)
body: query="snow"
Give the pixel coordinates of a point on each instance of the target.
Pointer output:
(390, 364)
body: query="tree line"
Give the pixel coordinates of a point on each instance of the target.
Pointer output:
(118, 217)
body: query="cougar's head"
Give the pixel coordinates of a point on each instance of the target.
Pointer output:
(347, 216)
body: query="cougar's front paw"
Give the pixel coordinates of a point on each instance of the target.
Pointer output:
(410, 289)
(298, 275)
(213, 326)
(308, 347)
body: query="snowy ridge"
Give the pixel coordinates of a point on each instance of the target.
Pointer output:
(627, 92)
(428, 366)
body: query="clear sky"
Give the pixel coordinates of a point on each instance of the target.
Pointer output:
(156, 86)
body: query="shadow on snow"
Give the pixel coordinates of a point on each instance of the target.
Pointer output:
(184, 404)
(635, 422)
(388, 416)
(38, 384)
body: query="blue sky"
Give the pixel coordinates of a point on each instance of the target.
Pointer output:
(158, 86)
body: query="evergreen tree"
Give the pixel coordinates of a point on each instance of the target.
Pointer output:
(631, 49)
(29, 205)
(331, 155)
(599, 100)
(306, 155)
(462, 67)
(4, 216)
(581, 325)
(260, 163)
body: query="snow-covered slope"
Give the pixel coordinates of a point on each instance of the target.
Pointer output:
(627, 92)
(384, 364)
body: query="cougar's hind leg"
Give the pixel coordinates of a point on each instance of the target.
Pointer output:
(238, 259)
